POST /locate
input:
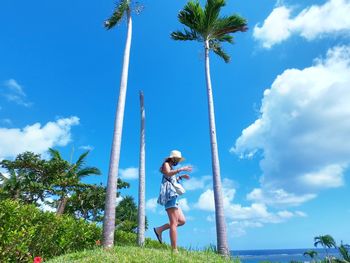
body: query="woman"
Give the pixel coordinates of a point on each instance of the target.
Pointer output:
(168, 196)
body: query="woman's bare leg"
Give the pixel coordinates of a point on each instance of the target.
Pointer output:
(181, 220)
(178, 217)
(173, 221)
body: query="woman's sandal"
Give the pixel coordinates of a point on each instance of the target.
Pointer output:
(157, 235)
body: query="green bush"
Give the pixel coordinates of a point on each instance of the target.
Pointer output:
(122, 238)
(26, 232)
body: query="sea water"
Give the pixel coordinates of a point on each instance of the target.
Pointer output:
(279, 255)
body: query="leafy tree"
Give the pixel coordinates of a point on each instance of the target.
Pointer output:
(70, 178)
(344, 250)
(311, 253)
(10, 185)
(326, 241)
(127, 215)
(87, 201)
(123, 9)
(30, 178)
(206, 26)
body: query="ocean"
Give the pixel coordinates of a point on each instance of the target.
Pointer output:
(279, 255)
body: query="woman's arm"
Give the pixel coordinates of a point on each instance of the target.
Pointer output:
(166, 169)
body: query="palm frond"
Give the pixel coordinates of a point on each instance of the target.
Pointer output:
(81, 161)
(229, 24)
(55, 154)
(123, 6)
(345, 252)
(216, 47)
(192, 16)
(212, 11)
(88, 171)
(187, 35)
(225, 38)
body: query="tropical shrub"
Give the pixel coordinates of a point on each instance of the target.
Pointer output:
(27, 232)
(124, 238)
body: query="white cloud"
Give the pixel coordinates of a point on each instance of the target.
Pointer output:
(238, 228)
(151, 204)
(300, 214)
(14, 93)
(303, 130)
(130, 173)
(275, 28)
(36, 138)
(257, 215)
(196, 183)
(206, 199)
(86, 147)
(278, 197)
(312, 22)
(184, 204)
(242, 217)
(285, 214)
(255, 211)
(331, 175)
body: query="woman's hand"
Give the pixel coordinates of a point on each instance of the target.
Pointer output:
(186, 176)
(186, 168)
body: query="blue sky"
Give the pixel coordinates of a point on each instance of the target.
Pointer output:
(281, 105)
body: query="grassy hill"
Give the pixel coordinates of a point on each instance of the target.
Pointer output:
(123, 254)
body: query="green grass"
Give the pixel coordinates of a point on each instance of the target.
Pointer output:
(122, 254)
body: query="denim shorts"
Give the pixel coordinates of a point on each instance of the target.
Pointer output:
(172, 203)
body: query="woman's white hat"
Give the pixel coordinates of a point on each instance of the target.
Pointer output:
(176, 154)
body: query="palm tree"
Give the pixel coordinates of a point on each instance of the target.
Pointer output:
(122, 9)
(326, 241)
(311, 253)
(71, 177)
(141, 206)
(11, 185)
(344, 250)
(205, 25)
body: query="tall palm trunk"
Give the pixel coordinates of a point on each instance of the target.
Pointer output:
(109, 216)
(141, 208)
(221, 234)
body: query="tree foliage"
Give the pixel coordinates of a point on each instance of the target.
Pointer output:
(69, 180)
(88, 201)
(29, 178)
(205, 24)
(326, 241)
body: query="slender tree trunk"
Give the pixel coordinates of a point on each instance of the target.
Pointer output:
(141, 208)
(221, 234)
(61, 205)
(109, 216)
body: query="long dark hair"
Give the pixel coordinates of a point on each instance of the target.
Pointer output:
(167, 160)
